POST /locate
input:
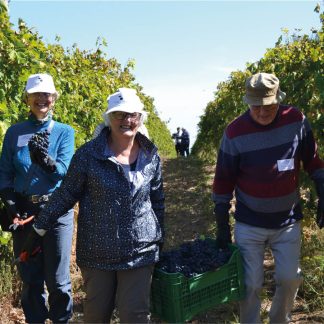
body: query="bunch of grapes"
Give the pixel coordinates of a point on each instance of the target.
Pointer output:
(38, 150)
(194, 258)
(38, 144)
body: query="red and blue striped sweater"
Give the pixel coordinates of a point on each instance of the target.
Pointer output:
(262, 164)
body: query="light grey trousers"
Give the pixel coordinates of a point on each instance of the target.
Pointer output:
(285, 245)
(128, 290)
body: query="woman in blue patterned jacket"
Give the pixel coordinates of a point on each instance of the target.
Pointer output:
(116, 178)
(35, 157)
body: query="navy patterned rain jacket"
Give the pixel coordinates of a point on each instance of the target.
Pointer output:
(120, 224)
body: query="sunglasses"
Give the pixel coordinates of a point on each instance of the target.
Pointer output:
(120, 115)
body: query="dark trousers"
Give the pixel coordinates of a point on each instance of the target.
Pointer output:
(51, 266)
(128, 290)
(185, 150)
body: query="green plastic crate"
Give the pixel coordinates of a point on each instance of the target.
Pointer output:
(175, 298)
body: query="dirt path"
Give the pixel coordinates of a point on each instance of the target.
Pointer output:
(187, 184)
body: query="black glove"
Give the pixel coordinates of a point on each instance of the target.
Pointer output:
(320, 206)
(38, 150)
(223, 232)
(8, 197)
(31, 246)
(160, 247)
(48, 164)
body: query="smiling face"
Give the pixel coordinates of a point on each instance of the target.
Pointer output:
(264, 115)
(124, 124)
(40, 103)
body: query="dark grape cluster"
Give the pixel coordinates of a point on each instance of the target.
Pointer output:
(194, 258)
(39, 143)
(38, 149)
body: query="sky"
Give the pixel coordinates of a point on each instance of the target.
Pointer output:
(182, 49)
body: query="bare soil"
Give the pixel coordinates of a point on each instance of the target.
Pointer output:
(187, 184)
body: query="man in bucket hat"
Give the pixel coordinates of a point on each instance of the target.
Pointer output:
(259, 158)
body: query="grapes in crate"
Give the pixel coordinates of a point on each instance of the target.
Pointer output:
(194, 258)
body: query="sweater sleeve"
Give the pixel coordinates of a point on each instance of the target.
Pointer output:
(67, 195)
(226, 172)
(312, 163)
(64, 155)
(7, 172)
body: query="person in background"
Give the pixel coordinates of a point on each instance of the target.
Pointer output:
(35, 157)
(260, 158)
(185, 142)
(117, 180)
(177, 141)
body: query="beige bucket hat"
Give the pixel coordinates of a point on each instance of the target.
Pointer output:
(263, 89)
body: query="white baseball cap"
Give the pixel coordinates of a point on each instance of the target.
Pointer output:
(40, 83)
(125, 99)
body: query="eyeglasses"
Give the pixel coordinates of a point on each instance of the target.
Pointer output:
(120, 115)
(40, 94)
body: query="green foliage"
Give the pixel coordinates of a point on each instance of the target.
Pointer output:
(226, 106)
(158, 132)
(312, 261)
(84, 80)
(6, 268)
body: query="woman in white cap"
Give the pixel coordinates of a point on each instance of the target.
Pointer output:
(116, 178)
(35, 157)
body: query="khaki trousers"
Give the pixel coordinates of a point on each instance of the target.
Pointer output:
(127, 290)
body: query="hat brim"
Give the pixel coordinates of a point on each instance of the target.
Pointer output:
(42, 89)
(262, 101)
(127, 108)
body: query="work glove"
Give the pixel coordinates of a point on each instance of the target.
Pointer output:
(8, 197)
(320, 207)
(38, 150)
(160, 244)
(31, 246)
(223, 232)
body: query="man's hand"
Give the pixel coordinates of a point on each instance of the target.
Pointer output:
(320, 206)
(31, 246)
(223, 232)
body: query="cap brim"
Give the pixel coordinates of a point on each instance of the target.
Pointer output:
(257, 101)
(41, 89)
(127, 108)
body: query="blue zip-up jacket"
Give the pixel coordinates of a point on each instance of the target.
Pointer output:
(119, 224)
(16, 169)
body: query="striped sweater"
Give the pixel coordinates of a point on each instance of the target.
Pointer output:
(262, 165)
